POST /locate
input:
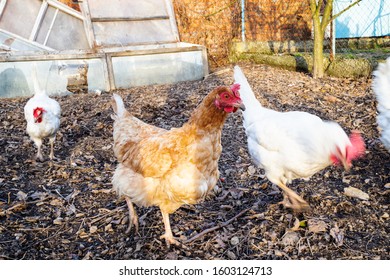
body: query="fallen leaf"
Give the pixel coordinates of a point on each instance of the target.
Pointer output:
(108, 228)
(291, 238)
(88, 256)
(56, 202)
(338, 235)
(38, 195)
(21, 195)
(231, 255)
(234, 241)
(385, 215)
(251, 170)
(139, 246)
(171, 256)
(316, 225)
(58, 221)
(354, 192)
(93, 229)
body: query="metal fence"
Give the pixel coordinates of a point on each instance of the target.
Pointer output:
(276, 20)
(216, 24)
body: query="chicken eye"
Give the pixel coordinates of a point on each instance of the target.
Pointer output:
(226, 96)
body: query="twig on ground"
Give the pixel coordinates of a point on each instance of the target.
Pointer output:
(224, 224)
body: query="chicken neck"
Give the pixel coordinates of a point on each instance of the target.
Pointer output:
(207, 116)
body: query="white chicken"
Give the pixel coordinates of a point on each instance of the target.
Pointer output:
(381, 87)
(42, 114)
(291, 145)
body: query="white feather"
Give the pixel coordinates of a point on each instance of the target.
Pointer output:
(120, 106)
(50, 123)
(381, 88)
(287, 145)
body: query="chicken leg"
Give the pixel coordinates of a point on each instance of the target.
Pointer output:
(51, 140)
(38, 143)
(293, 200)
(133, 217)
(168, 236)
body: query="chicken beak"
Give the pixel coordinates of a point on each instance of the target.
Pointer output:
(240, 105)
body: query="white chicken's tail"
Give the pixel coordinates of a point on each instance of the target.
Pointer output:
(246, 92)
(37, 88)
(117, 105)
(381, 85)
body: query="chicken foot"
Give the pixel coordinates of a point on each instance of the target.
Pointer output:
(133, 217)
(292, 199)
(168, 236)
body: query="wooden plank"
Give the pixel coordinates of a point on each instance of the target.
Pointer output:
(33, 56)
(51, 27)
(64, 8)
(24, 40)
(88, 24)
(109, 70)
(113, 19)
(38, 21)
(154, 51)
(90, 54)
(2, 6)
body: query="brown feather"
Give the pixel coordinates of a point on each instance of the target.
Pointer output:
(169, 168)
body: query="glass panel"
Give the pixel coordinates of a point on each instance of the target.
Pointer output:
(58, 77)
(67, 34)
(157, 69)
(15, 19)
(131, 32)
(118, 8)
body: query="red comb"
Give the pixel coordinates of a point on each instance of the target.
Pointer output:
(235, 87)
(358, 147)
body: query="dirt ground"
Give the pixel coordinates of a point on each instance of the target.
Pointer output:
(65, 209)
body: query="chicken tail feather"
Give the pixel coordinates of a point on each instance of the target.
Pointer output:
(34, 76)
(117, 105)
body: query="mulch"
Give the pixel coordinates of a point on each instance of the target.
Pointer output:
(65, 209)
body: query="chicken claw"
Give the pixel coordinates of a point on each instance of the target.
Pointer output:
(170, 240)
(293, 200)
(296, 203)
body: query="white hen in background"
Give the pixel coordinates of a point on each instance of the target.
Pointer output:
(381, 87)
(42, 114)
(291, 145)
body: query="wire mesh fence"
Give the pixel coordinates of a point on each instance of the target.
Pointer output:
(284, 26)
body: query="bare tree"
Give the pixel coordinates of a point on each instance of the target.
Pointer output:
(321, 11)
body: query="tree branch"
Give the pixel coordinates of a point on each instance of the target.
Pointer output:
(347, 8)
(327, 15)
(313, 7)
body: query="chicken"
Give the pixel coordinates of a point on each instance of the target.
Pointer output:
(381, 87)
(169, 168)
(291, 145)
(42, 114)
